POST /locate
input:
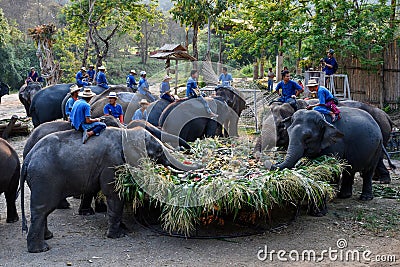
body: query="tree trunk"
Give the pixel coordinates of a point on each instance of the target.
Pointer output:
(195, 37)
(146, 43)
(86, 50)
(187, 39)
(255, 69)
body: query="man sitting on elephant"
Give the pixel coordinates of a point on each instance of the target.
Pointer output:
(81, 77)
(81, 118)
(326, 103)
(113, 108)
(165, 90)
(144, 86)
(290, 90)
(191, 88)
(101, 78)
(74, 90)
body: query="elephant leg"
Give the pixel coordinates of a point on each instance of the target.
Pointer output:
(63, 204)
(47, 233)
(211, 128)
(86, 205)
(115, 205)
(12, 215)
(381, 173)
(366, 193)
(100, 205)
(346, 187)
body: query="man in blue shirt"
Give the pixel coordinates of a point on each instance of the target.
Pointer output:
(225, 77)
(330, 64)
(91, 74)
(81, 118)
(141, 113)
(290, 90)
(130, 80)
(193, 92)
(33, 76)
(143, 87)
(113, 108)
(81, 77)
(73, 90)
(165, 87)
(326, 103)
(101, 78)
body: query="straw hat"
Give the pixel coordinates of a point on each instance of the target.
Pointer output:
(133, 72)
(102, 68)
(143, 102)
(83, 68)
(112, 95)
(74, 88)
(87, 92)
(166, 78)
(312, 83)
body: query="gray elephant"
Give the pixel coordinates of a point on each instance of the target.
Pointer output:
(155, 110)
(26, 94)
(188, 118)
(74, 169)
(355, 138)
(9, 177)
(279, 112)
(236, 101)
(4, 90)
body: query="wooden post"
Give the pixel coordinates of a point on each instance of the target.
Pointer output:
(9, 127)
(176, 77)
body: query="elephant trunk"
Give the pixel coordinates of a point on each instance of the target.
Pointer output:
(172, 161)
(171, 139)
(294, 154)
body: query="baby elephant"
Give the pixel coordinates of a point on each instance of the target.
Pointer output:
(9, 178)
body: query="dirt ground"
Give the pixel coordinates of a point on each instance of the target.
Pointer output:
(370, 227)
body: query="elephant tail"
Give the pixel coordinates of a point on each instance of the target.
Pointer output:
(22, 187)
(388, 158)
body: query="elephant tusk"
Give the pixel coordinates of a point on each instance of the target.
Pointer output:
(175, 170)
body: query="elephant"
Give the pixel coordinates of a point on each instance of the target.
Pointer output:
(46, 103)
(4, 90)
(9, 177)
(57, 126)
(155, 110)
(188, 118)
(355, 138)
(26, 94)
(236, 102)
(279, 112)
(165, 137)
(75, 169)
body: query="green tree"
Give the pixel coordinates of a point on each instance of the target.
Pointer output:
(97, 22)
(195, 14)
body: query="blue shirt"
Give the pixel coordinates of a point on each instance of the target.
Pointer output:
(288, 89)
(80, 111)
(79, 79)
(324, 95)
(130, 81)
(115, 111)
(69, 105)
(165, 87)
(226, 79)
(91, 74)
(190, 86)
(102, 80)
(139, 115)
(143, 86)
(330, 61)
(34, 76)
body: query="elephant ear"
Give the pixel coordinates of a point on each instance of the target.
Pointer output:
(287, 122)
(331, 134)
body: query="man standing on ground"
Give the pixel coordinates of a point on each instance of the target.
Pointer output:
(271, 76)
